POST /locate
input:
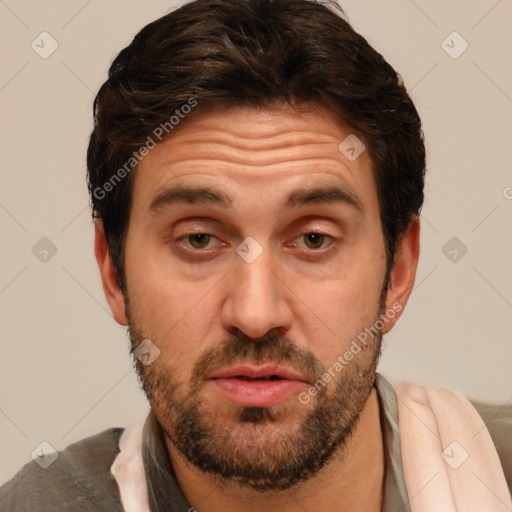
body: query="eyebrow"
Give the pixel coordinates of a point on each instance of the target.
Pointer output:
(189, 194)
(326, 194)
(301, 197)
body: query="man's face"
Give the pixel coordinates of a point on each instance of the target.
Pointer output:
(233, 286)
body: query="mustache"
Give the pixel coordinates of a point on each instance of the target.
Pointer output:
(271, 348)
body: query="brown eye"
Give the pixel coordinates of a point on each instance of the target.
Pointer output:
(199, 240)
(314, 240)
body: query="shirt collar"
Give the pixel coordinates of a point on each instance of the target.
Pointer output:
(164, 493)
(395, 497)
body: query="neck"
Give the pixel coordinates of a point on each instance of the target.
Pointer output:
(352, 480)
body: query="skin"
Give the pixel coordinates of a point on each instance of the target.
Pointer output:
(321, 298)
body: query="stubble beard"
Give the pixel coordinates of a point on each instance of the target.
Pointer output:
(263, 450)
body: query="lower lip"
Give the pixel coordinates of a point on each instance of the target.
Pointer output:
(257, 393)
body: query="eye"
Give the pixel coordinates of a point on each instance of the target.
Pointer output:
(315, 240)
(199, 240)
(202, 241)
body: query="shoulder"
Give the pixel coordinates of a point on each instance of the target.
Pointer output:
(498, 420)
(78, 480)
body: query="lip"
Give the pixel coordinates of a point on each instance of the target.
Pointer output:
(261, 371)
(233, 383)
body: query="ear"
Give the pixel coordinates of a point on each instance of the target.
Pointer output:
(403, 273)
(109, 279)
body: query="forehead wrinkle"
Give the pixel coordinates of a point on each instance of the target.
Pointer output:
(219, 166)
(251, 138)
(249, 172)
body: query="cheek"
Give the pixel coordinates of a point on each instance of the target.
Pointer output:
(355, 291)
(342, 313)
(343, 308)
(168, 310)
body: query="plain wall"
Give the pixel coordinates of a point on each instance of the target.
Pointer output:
(66, 373)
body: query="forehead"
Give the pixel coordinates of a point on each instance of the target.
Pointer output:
(259, 153)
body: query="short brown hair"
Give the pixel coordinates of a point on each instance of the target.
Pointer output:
(259, 53)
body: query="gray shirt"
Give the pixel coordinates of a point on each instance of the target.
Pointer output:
(80, 479)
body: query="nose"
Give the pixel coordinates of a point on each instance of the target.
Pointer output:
(257, 298)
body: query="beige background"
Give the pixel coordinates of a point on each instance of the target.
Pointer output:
(66, 372)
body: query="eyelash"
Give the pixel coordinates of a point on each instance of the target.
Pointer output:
(319, 250)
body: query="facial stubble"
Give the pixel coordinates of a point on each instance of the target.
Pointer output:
(258, 452)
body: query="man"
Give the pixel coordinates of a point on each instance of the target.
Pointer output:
(256, 173)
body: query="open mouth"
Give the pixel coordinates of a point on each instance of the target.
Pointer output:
(265, 371)
(269, 378)
(263, 385)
